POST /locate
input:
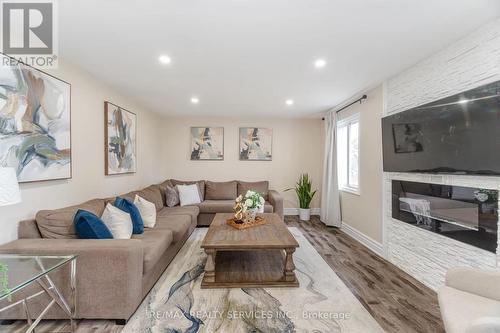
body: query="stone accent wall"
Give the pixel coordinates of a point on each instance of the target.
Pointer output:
(468, 63)
(427, 255)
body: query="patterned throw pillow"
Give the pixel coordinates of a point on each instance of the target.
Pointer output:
(171, 196)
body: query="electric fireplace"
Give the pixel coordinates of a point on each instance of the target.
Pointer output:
(466, 214)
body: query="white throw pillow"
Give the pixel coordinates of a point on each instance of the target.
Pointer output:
(189, 194)
(118, 222)
(147, 210)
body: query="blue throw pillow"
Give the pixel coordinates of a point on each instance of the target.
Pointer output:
(90, 226)
(129, 207)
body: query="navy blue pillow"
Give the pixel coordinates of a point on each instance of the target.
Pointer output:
(129, 207)
(90, 226)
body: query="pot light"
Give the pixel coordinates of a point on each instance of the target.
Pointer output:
(320, 63)
(195, 100)
(289, 102)
(164, 59)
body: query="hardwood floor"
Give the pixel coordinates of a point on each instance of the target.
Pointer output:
(397, 301)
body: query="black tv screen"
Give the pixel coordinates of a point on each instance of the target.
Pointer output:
(459, 134)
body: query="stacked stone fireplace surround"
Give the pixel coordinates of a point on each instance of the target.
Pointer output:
(468, 63)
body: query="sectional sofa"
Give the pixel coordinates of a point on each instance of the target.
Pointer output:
(113, 276)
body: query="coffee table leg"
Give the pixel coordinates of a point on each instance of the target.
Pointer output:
(289, 265)
(210, 266)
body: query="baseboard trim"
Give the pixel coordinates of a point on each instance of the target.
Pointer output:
(295, 211)
(367, 241)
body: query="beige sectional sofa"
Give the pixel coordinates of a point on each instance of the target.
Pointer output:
(114, 275)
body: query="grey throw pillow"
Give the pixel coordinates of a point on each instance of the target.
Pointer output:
(171, 196)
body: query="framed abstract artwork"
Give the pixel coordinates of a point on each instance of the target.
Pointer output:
(120, 128)
(207, 143)
(256, 144)
(35, 122)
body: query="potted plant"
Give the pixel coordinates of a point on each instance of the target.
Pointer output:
(252, 203)
(305, 196)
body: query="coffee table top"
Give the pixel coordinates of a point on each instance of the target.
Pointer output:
(19, 271)
(272, 235)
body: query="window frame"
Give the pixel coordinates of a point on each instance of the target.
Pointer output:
(346, 122)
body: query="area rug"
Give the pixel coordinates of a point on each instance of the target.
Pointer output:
(322, 303)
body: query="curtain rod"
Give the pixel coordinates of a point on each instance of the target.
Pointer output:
(348, 105)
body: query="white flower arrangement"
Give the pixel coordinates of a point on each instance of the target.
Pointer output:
(251, 200)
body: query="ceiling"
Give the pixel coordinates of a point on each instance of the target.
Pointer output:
(247, 57)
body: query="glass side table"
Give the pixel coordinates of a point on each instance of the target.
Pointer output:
(20, 271)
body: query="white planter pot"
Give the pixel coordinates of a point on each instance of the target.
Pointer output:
(305, 214)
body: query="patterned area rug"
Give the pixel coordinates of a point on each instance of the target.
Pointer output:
(322, 303)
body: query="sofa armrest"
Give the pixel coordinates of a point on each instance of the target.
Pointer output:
(475, 281)
(276, 200)
(108, 272)
(484, 325)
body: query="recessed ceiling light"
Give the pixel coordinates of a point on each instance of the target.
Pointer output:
(289, 102)
(320, 63)
(164, 59)
(195, 100)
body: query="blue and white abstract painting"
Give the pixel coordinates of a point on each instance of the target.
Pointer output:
(35, 123)
(121, 126)
(256, 144)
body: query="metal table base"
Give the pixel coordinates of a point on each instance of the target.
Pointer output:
(49, 288)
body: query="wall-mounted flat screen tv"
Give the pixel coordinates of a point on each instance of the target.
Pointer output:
(459, 134)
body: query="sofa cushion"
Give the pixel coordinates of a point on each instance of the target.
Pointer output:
(118, 222)
(225, 206)
(155, 243)
(58, 223)
(192, 211)
(147, 210)
(459, 308)
(130, 196)
(129, 207)
(179, 225)
(162, 189)
(261, 187)
(171, 196)
(189, 194)
(221, 190)
(201, 185)
(152, 194)
(90, 226)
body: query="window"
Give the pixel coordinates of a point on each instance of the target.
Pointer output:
(348, 154)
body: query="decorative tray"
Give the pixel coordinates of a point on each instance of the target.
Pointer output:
(259, 220)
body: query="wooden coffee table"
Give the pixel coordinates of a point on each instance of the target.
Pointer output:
(260, 256)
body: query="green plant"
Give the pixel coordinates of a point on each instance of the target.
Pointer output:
(304, 191)
(4, 282)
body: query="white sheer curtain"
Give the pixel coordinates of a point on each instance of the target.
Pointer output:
(330, 199)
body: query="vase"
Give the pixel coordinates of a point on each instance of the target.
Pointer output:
(305, 214)
(250, 215)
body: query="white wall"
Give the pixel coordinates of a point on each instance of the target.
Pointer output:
(363, 211)
(468, 63)
(297, 148)
(87, 137)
